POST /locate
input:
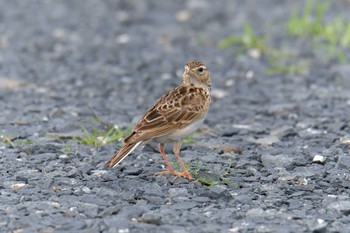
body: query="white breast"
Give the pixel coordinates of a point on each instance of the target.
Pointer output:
(180, 133)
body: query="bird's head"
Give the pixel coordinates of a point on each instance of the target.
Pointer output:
(197, 74)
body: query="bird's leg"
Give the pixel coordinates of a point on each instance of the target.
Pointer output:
(170, 169)
(185, 173)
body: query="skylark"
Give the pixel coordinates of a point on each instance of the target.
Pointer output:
(176, 114)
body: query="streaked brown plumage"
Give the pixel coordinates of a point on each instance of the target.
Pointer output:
(176, 114)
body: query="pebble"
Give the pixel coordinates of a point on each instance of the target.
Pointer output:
(341, 73)
(266, 141)
(345, 140)
(219, 93)
(86, 189)
(99, 173)
(343, 162)
(17, 186)
(275, 161)
(256, 212)
(319, 159)
(152, 217)
(231, 149)
(341, 207)
(176, 192)
(183, 16)
(63, 156)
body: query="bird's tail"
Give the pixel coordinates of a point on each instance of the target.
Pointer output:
(121, 154)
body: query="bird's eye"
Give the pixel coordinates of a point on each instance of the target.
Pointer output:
(200, 70)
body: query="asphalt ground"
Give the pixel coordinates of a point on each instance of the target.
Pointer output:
(272, 156)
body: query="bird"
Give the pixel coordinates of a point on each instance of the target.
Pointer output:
(175, 115)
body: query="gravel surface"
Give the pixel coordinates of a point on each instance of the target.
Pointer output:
(276, 146)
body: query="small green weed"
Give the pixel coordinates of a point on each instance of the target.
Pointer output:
(328, 39)
(13, 141)
(247, 40)
(196, 169)
(204, 178)
(6, 140)
(68, 147)
(97, 138)
(307, 23)
(208, 180)
(23, 142)
(104, 133)
(177, 166)
(275, 57)
(228, 182)
(333, 36)
(287, 66)
(190, 138)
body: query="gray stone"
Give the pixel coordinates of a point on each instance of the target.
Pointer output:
(201, 199)
(340, 207)
(343, 162)
(318, 226)
(256, 212)
(266, 141)
(152, 217)
(175, 192)
(219, 191)
(274, 161)
(184, 205)
(341, 74)
(89, 209)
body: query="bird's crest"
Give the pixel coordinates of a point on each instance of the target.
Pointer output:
(194, 64)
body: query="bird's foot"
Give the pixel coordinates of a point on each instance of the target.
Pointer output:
(185, 174)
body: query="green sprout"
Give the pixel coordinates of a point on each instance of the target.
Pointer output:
(177, 166)
(329, 37)
(97, 138)
(247, 40)
(7, 140)
(307, 24)
(190, 138)
(333, 36)
(285, 66)
(68, 147)
(208, 180)
(13, 141)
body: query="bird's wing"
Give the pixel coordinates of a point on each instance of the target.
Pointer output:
(174, 110)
